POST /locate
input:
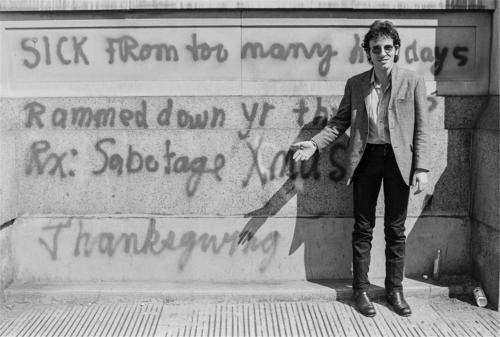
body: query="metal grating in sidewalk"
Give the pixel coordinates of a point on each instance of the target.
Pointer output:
(430, 318)
(324, 319)
(88, 320)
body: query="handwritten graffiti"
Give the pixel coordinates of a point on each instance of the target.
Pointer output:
(338, 172)
(433, 103)
(251, 116)
(267, 162)
(321, 114)
(128, 48)
(71, 50)
(258, 167)
(41, 161)
(357, 53)
(282, 164)
(86, 116)
(153, 242)
(203, 51)
(114, 157)
(187, 120)
(283, 52)
(46, 52)
(135, 162)
(436, 55)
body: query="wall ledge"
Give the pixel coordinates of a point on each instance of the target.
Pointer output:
(91, 5)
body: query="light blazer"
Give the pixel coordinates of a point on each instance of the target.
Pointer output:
(407, 115)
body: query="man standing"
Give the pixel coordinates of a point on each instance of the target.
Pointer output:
(386, 109)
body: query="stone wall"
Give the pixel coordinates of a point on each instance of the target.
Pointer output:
(152, 144)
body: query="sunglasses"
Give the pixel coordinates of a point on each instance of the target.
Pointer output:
(388, 48)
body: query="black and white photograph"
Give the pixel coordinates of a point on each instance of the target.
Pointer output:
(249, 168)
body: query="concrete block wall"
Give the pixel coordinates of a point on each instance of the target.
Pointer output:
(485, 209)
(197, 151)
(486, 202)
(303, 213)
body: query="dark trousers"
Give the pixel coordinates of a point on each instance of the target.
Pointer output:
(378, 165)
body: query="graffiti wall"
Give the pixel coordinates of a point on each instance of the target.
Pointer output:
(184, 156)
(168, 141)
(224, 53)
(237, 56)
(179, 249)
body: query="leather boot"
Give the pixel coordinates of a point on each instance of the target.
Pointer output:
(397, 301)
(363, 303)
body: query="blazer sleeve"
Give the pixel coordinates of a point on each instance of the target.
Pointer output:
(338, 124)
(421, 132)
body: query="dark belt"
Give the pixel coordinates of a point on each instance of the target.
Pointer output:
(385, 148)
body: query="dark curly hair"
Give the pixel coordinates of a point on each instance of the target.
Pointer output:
(381, 28)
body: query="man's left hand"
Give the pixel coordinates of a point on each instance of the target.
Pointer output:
(420, 181)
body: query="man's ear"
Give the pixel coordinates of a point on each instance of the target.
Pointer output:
(368, 57)
(396, 55)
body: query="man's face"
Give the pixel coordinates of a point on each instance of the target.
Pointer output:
(382, 52)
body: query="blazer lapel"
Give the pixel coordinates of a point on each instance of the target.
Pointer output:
(395, 83)
(366, 89)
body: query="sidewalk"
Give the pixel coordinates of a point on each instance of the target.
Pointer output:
(236, 312)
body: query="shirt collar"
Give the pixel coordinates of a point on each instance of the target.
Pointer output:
(372, 78)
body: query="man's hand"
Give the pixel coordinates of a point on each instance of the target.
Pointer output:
(420, 181)
(303, 150)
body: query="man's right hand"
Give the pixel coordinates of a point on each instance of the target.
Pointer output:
(303, 150)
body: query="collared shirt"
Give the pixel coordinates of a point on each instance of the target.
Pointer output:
(378, 104)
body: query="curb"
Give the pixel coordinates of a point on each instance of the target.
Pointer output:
(103, 292)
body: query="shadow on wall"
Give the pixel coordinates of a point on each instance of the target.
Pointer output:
(438, 219)
(316, 184)
(6, 264)
(443, 222)
(442, 215)
(324, 204)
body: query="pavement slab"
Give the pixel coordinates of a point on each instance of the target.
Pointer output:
(300, 290)
(437, 316)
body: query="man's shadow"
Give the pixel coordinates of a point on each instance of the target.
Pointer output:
(451, 194)
(324, 209)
